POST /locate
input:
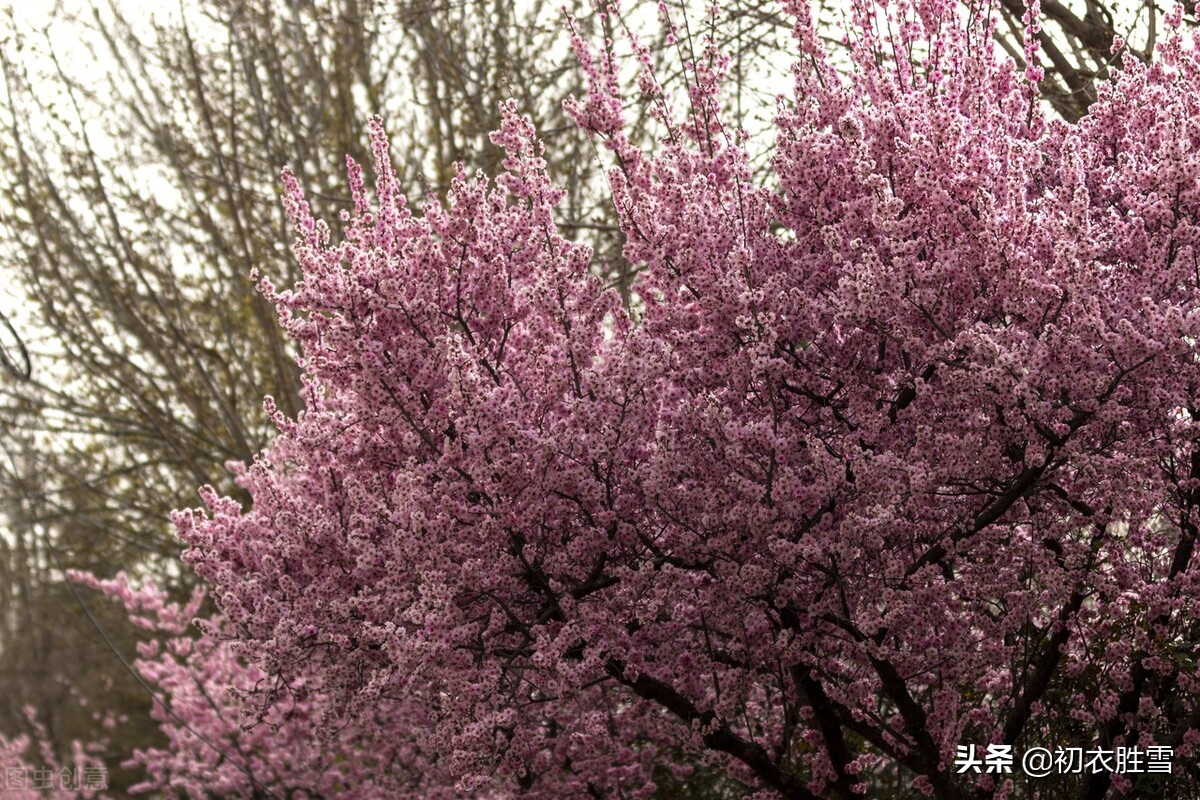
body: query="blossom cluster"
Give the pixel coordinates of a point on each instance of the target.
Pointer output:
(898, 453)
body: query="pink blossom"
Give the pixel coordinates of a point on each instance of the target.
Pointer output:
(892, 460)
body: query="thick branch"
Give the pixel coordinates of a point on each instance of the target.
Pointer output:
(717, 736)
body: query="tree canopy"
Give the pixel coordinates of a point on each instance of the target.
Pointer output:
(897, 454)
(848, 458)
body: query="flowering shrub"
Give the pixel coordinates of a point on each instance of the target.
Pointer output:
(221, 745)
(899, 453)
(31, 770)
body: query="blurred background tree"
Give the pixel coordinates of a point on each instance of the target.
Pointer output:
(139, 157)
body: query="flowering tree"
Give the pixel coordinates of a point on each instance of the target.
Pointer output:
(31, 770)
(220, 745)
(896, 454)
